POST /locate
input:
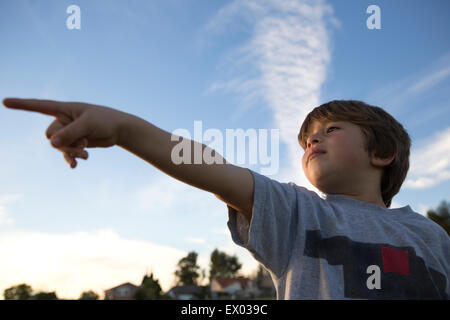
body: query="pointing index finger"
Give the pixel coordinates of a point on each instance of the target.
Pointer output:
(49, 107)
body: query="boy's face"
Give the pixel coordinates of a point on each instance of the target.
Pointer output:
(345, 165)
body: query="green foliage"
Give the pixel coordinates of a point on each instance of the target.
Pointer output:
(25, 292)
(149, 290)
(18, 292)
(261, 273)
(45, 296)
(89, 295)
(205, 293)
(187, 271)
(223, 265)
(441, 215)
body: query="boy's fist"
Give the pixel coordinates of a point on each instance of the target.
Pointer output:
(76, 150)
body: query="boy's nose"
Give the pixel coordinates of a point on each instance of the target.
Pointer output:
(312, 140)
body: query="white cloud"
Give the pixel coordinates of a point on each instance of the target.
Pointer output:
(74, 262)
(8, 198)
(430, 162)
(222, 231)
(284, 63)
(195, 240)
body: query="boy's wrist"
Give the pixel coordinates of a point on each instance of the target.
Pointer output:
(125, 128)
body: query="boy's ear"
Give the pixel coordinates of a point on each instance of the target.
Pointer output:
(382, 162)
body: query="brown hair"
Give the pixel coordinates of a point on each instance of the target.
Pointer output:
(384, 136)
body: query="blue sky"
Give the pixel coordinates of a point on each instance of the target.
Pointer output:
(230, 64)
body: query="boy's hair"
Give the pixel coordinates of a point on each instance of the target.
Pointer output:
(384, 136)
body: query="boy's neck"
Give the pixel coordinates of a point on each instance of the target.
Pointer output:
(365, 193)
(362, 190)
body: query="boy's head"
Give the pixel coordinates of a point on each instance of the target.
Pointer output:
(366, 149)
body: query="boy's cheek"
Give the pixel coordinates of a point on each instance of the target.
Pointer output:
(351, 159)
(344, 152)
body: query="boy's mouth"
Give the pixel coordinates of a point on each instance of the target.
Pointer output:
(315, 153)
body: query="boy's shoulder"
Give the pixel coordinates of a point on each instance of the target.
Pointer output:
(429, 226)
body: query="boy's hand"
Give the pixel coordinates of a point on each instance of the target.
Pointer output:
(77, 125)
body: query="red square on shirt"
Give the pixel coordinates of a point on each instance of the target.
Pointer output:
(395, 260)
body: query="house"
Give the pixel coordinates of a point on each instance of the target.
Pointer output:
(239, 287)
(186, 292)
(125, 291)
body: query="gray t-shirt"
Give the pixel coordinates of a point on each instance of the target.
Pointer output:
(342, 248)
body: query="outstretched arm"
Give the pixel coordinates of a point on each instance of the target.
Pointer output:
(231, 184)
(97, 126)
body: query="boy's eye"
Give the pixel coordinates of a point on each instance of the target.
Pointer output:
(331, 128)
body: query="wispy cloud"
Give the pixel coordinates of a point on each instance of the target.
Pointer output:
(283, 63)
(430, 158)
(163, 197)
(430, 162)
(398, 93)
(74, 262)
(429, 80)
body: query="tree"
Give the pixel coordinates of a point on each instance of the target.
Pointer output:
(149, 289)
(261, 274)
(18, 292)
(259, 277)
(441, 216)
(187, 271)
(45, 296)
(223, 265)
(89, 295)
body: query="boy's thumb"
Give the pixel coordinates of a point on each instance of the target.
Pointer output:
(56, 141)
(67, 135)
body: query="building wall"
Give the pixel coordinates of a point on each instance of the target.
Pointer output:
(124, 292)
(215, 286)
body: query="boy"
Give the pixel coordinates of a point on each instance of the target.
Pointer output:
(346, 245)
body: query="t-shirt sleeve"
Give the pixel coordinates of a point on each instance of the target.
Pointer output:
(271, 233)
